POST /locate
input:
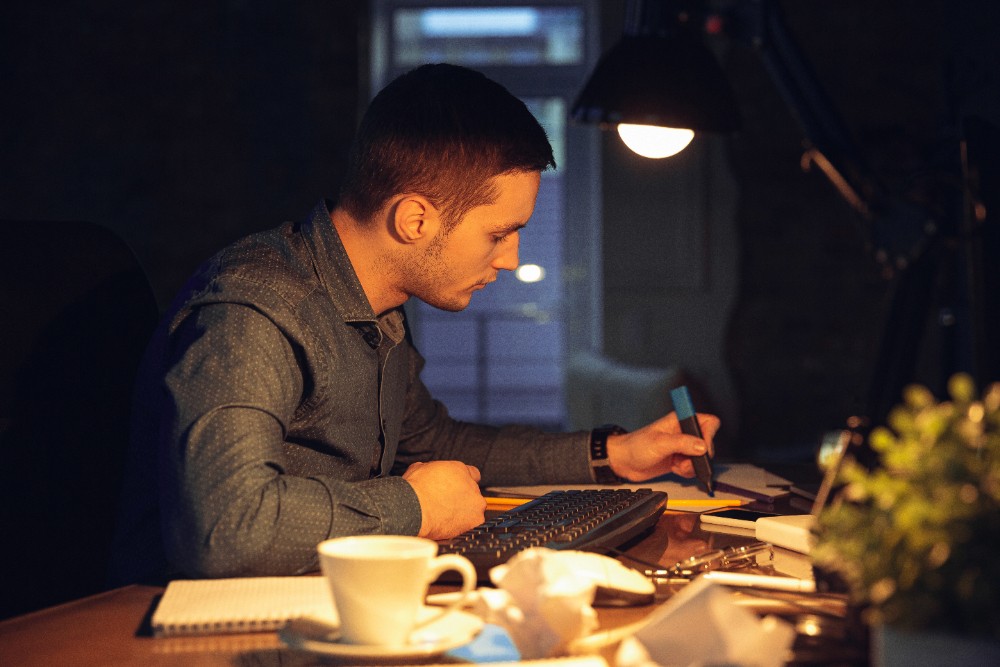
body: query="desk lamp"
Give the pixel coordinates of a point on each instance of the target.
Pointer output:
(658, 85)
(661, 79)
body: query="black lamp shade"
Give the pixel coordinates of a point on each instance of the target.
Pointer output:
(671, 81)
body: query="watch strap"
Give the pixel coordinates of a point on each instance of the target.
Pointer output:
(599, 463)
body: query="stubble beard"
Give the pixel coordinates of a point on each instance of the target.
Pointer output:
(429, 278)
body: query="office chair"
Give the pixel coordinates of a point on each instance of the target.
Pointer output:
(76, 311)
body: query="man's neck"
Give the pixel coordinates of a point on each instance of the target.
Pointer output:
(364, 249)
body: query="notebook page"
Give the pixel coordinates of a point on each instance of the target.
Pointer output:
(246, 604)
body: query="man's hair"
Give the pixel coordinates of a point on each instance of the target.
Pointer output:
(442, 131)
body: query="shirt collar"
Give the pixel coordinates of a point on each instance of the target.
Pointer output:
(338, 277)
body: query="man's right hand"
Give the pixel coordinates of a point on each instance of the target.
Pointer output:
(450, 500)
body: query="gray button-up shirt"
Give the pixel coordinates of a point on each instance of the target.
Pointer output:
(275, 410)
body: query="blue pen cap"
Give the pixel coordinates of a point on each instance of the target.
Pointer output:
(682, 402)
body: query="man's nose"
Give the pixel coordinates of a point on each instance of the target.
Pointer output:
(507, 258)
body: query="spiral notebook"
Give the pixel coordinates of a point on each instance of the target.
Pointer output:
(246, 604)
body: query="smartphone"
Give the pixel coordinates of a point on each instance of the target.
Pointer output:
(737, 518)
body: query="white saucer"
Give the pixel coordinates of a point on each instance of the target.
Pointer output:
(449, 631)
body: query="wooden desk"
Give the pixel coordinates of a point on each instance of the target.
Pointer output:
(112, 628)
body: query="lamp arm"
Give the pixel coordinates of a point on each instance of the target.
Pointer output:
(761, 24)
(897, 230)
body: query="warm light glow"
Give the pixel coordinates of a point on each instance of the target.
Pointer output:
(654, 141)
(529, 273)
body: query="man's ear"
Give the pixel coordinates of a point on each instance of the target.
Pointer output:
(415, 218)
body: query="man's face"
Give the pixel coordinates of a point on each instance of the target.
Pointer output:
(457, 263)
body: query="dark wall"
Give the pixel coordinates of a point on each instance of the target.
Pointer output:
(180, 125)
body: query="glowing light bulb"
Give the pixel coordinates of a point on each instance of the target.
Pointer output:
(654, 141)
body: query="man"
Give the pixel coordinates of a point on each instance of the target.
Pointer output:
(280, 402)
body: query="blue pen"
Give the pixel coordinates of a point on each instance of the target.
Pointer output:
(689, 424)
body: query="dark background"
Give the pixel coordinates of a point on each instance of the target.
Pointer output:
(184, 125)
(180, 125)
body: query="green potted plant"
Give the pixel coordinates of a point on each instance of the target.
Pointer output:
(917, 537)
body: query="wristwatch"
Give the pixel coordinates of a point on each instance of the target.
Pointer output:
(603, 474)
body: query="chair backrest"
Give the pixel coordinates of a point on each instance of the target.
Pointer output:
(76, 312)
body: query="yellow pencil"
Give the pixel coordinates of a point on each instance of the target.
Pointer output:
(679, 502)
(708, 502)
(511, 502)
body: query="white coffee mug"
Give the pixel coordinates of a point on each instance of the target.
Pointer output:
(379, 583)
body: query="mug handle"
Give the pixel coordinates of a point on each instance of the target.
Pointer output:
(464, 567)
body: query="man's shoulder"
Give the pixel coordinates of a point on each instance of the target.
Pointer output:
(274, 264)
(278, 257)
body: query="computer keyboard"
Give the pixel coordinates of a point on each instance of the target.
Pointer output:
(585, 520)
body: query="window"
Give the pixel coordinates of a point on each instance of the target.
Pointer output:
(503, 358)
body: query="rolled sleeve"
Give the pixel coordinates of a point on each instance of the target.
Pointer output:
(508, 455)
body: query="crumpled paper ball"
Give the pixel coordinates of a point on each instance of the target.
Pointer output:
(541, 603)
